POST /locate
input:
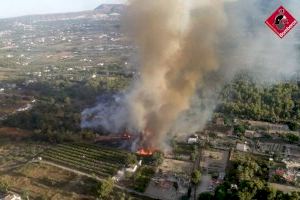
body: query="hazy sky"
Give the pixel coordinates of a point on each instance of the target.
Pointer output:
(12, 8)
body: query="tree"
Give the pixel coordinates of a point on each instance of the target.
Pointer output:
(105, 188)
(175, 185)
(292, 138)
(25, 194)
(295, 195)
(294, 126)
(278, 179)
(193, 156)
(251, 177)
(212, 135)
(249, 188)
(87, 135)
(42, 197)
(239, 129)
(67, 101)
(158, 158)
(267, 193)
(121, 196)
(221, 192)
(205, 196)
(248, 100)
(196, 177)
(3, 187)
(131, 159)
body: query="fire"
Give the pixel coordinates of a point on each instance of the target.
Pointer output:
(145, 152)
(126, 136)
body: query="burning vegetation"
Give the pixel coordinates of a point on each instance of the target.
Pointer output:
(187, 51)
(173, 64)
(145, 152)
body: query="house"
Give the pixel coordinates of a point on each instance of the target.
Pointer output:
(193, 139)
(221, 176)
(221, 135)
(253, 134)
(132, 169)
(223, 130)
(140, 162)
(242, 147)
(249, 133)
(291, 164)
(258, 135)
(120, 175)
(27, 107)
(234, 186)
(11, 196)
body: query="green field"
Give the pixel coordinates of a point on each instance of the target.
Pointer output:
(100, 161)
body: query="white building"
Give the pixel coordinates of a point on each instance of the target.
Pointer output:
(249, 133)
(12, 196)
(132, 169)
(242, 147)
(193, 139)
(27, 107)
(121, 173)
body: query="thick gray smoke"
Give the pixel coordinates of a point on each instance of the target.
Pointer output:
(250, 44)
(188, 49)
(110, 115)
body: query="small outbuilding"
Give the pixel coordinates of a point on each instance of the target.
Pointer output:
(242, 147)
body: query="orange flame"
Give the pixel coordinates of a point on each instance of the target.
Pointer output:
(145, 152)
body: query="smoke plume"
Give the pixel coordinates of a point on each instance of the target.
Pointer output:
(177, 43)
(187, 50)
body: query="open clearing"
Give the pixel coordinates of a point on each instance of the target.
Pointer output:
(284, 188)
(47, 182)
(176, 166)
(39, 180)
(14, 156)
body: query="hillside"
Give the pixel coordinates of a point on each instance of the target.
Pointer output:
(104, 11)
(110, 8)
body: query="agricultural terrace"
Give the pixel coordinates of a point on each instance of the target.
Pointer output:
(99, 161)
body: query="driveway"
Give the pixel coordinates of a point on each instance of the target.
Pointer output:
(205, 184)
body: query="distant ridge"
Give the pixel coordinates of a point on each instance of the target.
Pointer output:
(100, 11)
(111, 8)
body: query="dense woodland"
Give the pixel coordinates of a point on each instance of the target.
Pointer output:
(56, 115)
(246, 99)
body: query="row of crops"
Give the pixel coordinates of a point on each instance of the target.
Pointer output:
(100, 161)
(272, 147)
